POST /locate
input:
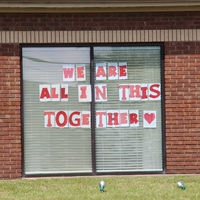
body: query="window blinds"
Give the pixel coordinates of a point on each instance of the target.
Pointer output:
(130, 149)
(57, 109)
(53, 150)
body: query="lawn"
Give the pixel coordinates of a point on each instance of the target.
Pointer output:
(117, 188)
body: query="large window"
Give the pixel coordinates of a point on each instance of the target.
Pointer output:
(92, 109)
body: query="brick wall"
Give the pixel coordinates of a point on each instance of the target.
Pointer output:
(100, 21)
(181, 68)
(10, 116)
(182, 100)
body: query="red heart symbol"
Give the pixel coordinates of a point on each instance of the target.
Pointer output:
(149, 117)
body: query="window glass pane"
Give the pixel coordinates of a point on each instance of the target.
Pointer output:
(57, 109)
(128, 108)
(55, 139)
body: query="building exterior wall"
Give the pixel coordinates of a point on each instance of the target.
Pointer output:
(180, 33)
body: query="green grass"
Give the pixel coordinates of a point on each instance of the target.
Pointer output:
(117, 188)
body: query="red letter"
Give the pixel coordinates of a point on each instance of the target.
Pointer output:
(77, 120)
(112, 70)
(83, 92)
(100, 71)
(68, 72)
(113, 117)
(122, 71)
(63, 94)
(124, 87)
(49, 124)
(134, 91)
(58, 120)
(133, 118)
(80, 72)
(53, 93)
(99, 92)
(45, 93)
(123, 118)
(85, 119)
(144, 92)
(100, 114)
(156, 91)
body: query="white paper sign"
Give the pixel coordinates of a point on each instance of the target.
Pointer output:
(74, 119)
(134, 118)
(154, 91)
(123, 72)
(144, 92)
(84, 93)
(101, 118)
(61, 119)
(49, 118)
(64, 93)
(124, 118)
(112, 118)
(134, 91)
(68, 72)
(123, 92)
(80, 72)
(45, 93)
(113, 73)
(85, 119)
(101, 92)
(101, 71)
(55, 92)
(149, 119)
